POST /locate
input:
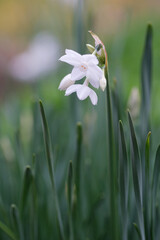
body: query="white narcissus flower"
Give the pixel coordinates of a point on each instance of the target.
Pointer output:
(83, 91)
(84, 66)
(66, 82)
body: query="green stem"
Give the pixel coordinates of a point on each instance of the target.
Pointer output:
(112, 165)
(70, 200)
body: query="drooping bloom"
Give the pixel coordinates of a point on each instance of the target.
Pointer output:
(83, 91)
(83, 66)
(89, 66)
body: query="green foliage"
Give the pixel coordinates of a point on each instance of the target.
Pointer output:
(97, 180)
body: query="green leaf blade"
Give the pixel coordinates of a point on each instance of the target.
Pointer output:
(137, 176)
(146, 81)
(7, 231)
(17, 222)
(124, 179)
(48, 149)
(28, 177)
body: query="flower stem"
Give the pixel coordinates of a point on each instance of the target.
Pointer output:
(112, 166)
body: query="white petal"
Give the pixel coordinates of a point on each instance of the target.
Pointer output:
(73, 53)
(93, 97)
(66, 82)
(77, 74)
(92, 59)
(94, 82)
(94, 74)
(83, 92)
(95, 69)
(70, 60)
(93, 79)
(72, 89)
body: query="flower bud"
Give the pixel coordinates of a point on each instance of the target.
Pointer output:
(90, 48)
(101, 54)
(66, 82)
(103, 82)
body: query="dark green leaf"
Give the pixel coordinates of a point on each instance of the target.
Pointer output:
(136, 164)
(7, 230)
(137, 230)
(78, 157)
(156, 173)
(147, 204)
(70, 196)
(146, 75)
(28, 177)
(48, 149)
(17, 222)
(147, 153)
(137, 176)
(112, 164)
(155, 182)
(70, 185)
(124, 178)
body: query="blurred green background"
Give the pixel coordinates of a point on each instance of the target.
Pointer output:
(33, 35)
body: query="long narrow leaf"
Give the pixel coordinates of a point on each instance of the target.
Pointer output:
(70, 185)
(78, 208)
(147, 205)
(112, 165)
(70, 196)
(147, 153)
(7, 231)
(17, 222)
(146, 77)
(26, 186)
(156, 173)
(124, 178)
(155, 182)
(137, 230)
(78, 159)
(137, 176)
(50, 168)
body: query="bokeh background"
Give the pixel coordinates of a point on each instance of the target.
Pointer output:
(64, 24)
(33, 35)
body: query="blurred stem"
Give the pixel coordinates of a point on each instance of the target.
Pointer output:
(78, 178)
(70, 202)
(78, 158)
(112, 165)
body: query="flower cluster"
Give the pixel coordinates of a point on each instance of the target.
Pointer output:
(83, 66)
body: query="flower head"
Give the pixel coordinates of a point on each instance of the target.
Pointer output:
(83, 66)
